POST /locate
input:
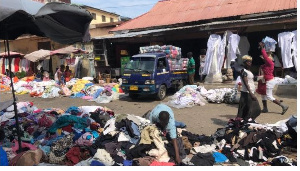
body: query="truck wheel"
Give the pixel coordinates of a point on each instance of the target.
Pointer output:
(133, 96)
(162, 92)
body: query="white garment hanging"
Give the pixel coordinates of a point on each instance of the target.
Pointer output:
(285, 43)
(294, 47)
(12, 65)
(212, 45)
(221, 52)
(244, 47)
(233, 45)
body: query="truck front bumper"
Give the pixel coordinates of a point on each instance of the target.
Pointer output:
(139, 89)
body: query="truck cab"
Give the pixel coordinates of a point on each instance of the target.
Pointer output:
(149, 74)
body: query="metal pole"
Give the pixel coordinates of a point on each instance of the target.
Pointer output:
(14, 96)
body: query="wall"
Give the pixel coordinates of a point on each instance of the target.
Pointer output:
(28, 44)
(99, 14)
(95, 32)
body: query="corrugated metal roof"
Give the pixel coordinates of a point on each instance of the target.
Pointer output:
(205, 26)
(169, 12)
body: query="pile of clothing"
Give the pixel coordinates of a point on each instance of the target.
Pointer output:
(75, 88)
(171, 51)
(173, 54)
(191, 95)
(4, 83)
(187, 96)
(96, 136)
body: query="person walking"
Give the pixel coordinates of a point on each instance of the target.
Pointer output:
(266, 89)
(248, 106)
(191, 68)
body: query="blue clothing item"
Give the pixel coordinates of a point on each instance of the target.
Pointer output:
(127, 163)
(95, 134)
(154, 114)
(88, 84)
(180, 124)
(73, 110)
(96, 163)
(3, 157)
(45, 149)
(78, 123)
(219, 157)
(97, 93)
(76, 135)
(77, 95)
(37, 80)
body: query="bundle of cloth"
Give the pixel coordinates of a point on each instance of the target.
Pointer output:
(187, 96)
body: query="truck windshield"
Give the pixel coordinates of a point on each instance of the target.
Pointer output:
(140, 64)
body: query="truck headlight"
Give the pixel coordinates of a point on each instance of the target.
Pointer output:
(125, 81)
(150, 82)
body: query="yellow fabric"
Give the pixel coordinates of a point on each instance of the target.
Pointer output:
(22, 92)
(79, 85)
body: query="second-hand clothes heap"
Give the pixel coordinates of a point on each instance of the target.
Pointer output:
(96, 136)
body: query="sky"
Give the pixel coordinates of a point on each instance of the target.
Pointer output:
(126, 8)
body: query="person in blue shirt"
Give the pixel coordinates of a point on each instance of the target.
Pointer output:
(163, 117)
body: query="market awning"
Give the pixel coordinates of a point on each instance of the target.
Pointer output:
(67, 50)
(12, 54)
(38, 55)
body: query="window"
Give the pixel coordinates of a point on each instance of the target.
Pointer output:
(94, 16)
(111, 20)
(103, 18)
(161, 63)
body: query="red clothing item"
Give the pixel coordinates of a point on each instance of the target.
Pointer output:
(261, 88)
(156, 163)
(268, 67)
(17, 62)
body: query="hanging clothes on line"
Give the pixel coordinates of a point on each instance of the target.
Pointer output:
(285, 43)
(244, 47)
(211, 53)
(233, 49)
(16, 64)
(294, 47)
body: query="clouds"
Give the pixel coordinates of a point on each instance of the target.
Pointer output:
(127, 8)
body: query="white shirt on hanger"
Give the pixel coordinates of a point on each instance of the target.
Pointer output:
(285, 43)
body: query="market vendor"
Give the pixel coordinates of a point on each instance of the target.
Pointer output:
(59, 76)
(67, 74)
(163, 117)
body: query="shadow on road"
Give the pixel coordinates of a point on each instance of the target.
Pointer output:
(222, 122)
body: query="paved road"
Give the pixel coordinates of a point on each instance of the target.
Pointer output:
(199, 119)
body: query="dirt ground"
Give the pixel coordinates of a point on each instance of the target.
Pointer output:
(199, 119)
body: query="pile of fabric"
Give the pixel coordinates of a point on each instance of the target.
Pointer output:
(191, 95)
(172, 52)
(4, 83)
(187, 96)
(96, 136)
(75, 88)
(105, 93)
